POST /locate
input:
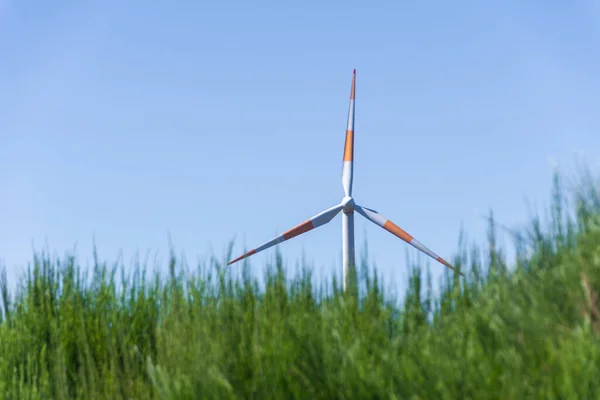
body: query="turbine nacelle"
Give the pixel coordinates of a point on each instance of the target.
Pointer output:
(348, 204)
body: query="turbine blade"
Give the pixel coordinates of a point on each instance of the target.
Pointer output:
(348, 162)
(320, 219)
(388, 225)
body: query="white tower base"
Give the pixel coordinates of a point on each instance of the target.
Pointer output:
(348, 271)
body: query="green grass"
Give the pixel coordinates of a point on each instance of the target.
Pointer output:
(528, 330)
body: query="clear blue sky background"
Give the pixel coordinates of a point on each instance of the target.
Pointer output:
(129, 121)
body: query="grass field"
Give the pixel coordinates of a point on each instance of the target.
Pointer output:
(521, 331)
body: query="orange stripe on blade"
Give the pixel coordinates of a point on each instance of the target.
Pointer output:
(298, 230)
(447, 264)
(248, 254)
(349, 146)
(396, 230)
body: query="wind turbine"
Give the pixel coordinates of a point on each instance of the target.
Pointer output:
(347, 206)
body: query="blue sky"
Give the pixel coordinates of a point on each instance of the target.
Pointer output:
(207, 121)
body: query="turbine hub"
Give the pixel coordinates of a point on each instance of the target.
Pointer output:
(348, 203)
